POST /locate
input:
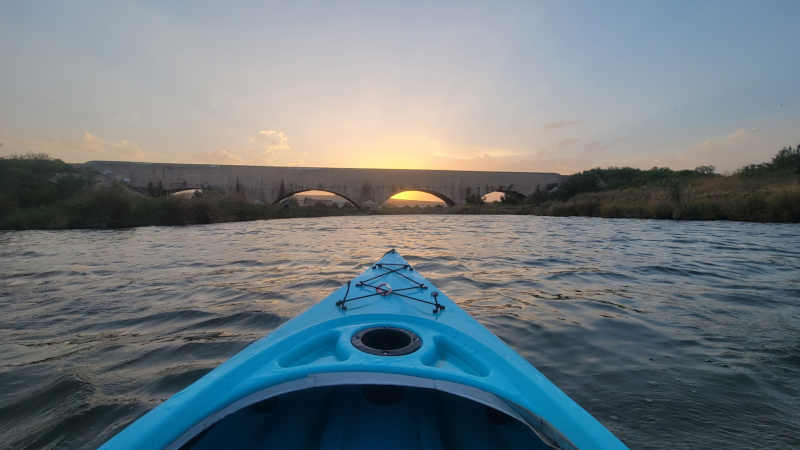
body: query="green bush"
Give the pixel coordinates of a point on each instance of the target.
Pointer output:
(511, 198)
(174, 211)
(103, 207)
(34, 179)
(474, 199)
(538, 196)
(787, 160)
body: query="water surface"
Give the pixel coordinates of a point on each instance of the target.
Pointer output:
(672, 334)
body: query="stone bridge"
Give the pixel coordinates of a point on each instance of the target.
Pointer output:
(362, 187)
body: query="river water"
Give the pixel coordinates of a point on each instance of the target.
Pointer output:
(672, 334)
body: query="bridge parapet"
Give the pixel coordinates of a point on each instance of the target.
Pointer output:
(272, 184)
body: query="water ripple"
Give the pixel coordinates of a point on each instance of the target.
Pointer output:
(673, 334)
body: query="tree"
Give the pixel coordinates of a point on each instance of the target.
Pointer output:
(788, 159)
(474, 199)
(34, 179)
(785, 162)
(705, 170)
(538, 197)
(511, 198)
(586, 181)
(676, 188)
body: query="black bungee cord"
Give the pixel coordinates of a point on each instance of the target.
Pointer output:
(385, 292)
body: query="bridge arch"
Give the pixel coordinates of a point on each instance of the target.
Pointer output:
(300, 191)
(447, 200)
(188, 193)
(514, 195)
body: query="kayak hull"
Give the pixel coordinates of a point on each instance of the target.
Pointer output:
(386, 361)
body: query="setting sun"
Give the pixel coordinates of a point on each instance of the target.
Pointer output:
(417, 196)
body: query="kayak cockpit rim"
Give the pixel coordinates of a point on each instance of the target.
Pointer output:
(546, 432)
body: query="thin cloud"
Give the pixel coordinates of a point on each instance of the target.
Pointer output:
(742, 134)
(738, 136)
(561, 124)
(275, 152)
(220, 157)
(727, 153)
(275, 140)
(567, 142)
(299, 161)
(593, 147)
(528, 163)
(87, 147)
(247, 156)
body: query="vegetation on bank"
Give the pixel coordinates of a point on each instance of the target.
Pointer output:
(767, 192)
(37, 192)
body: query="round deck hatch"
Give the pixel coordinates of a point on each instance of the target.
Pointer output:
(386, 341)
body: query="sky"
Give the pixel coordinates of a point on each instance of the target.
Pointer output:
(544, 86)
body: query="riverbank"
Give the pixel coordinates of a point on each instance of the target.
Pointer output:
(37, 192)
(714, 199)
(723, 198)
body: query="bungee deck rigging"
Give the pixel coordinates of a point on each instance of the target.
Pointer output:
(391, 269)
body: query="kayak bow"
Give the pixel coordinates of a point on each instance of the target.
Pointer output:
(386, 361)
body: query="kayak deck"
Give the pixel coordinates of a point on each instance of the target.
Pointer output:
(385, 361)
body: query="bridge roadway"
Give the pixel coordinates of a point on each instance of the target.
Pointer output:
(362, 187)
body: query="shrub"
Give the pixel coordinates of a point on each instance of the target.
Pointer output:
(787, 159)
(474, 199)
(587, 207)
(205, 209)
(103, 207)
(511, 198)
(35, 179)
(173, 211)
(785, 162)
(538, 196)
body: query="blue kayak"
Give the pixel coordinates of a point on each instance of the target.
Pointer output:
(385, 362)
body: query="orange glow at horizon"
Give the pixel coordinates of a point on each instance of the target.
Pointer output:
(314, 193)
(407, 195)
(417, 195)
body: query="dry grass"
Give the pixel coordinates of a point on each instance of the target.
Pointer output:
(723, 198)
